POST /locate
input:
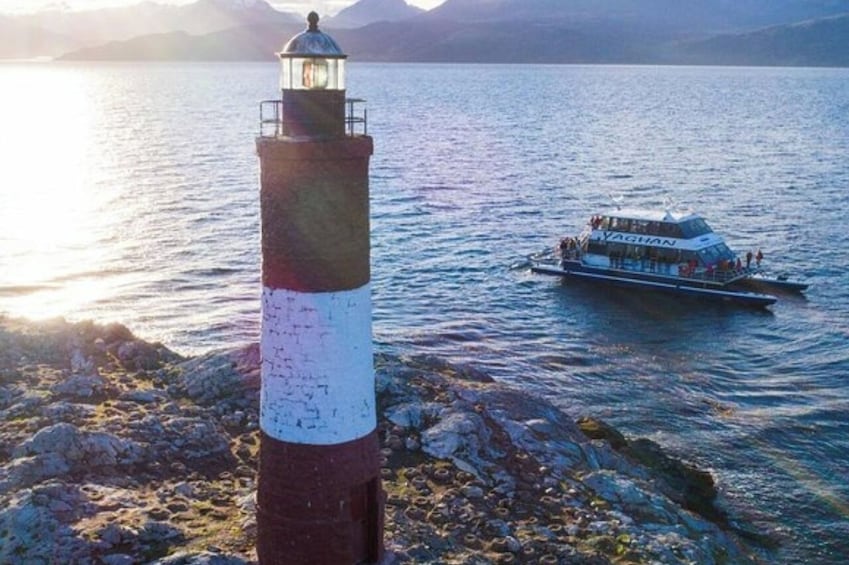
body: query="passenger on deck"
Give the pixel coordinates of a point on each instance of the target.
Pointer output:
(748, 259)
(758, 258)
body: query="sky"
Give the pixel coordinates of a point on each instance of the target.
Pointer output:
(328, 7)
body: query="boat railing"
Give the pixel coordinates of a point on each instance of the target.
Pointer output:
(724, 277)
(672, 270)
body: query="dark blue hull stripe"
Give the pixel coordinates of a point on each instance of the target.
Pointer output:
(682, 287)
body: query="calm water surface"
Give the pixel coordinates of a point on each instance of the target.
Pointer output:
(129, 193)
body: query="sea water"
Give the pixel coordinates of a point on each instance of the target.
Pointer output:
(129, 192)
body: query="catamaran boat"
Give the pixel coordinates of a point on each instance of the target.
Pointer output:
(665, 251)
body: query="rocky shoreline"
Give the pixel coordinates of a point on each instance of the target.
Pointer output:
(117, 451)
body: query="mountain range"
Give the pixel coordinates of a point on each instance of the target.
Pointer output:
(728, 32)
(52, 33)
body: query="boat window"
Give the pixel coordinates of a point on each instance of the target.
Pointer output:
(669, 230)
(596, 248)
(687, 256)
(725, 252)
(694, 228)
(716, 253)
(617, 249)
(709, 255)
(669, 255)
(689, 229)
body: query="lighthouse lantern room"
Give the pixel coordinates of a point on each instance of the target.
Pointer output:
(312, 81)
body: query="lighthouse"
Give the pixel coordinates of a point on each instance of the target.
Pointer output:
(319, 498)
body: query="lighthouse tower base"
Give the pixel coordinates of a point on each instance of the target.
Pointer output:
(331, 516)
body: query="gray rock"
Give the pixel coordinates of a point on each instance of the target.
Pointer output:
(64, 410)
(118, 559)
(79, 449)
(136, 354)
(202, 558)
(198, 438)
(156, 531)
(80, 363)
(32, 533)
(81, 386)
(414, 414)
(63, 439)
(211, 378)
(23, 472)
(143, 396)
(461, 437)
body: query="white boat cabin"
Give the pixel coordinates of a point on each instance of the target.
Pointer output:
(654, 242)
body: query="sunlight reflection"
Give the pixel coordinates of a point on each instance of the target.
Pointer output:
(47, 201)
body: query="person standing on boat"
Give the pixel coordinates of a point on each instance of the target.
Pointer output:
(748, 259)
(758, 258)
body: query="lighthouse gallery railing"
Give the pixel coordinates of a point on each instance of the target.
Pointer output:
(272, 118)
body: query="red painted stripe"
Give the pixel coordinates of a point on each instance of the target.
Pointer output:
(315, 213)
(319, 504)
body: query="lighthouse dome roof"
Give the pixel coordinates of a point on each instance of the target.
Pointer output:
(312, 42)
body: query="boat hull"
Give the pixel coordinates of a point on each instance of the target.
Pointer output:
(661, 283)
(768, 284)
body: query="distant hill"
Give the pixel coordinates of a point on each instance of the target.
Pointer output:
(24, 41)
(199, 17)
(366, 12)
(821, 42)
(257, 42)
(53, 32)
(692, 16)
(492, 42)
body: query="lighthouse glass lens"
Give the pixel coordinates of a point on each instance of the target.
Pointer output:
(315, 73)
(286, 73)
(337, 74)
(308, 73)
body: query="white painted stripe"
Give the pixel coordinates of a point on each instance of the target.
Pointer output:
(317, 366)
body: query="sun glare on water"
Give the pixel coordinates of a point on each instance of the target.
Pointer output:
(48, 201)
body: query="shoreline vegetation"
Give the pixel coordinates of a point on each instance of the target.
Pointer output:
(114, 450)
